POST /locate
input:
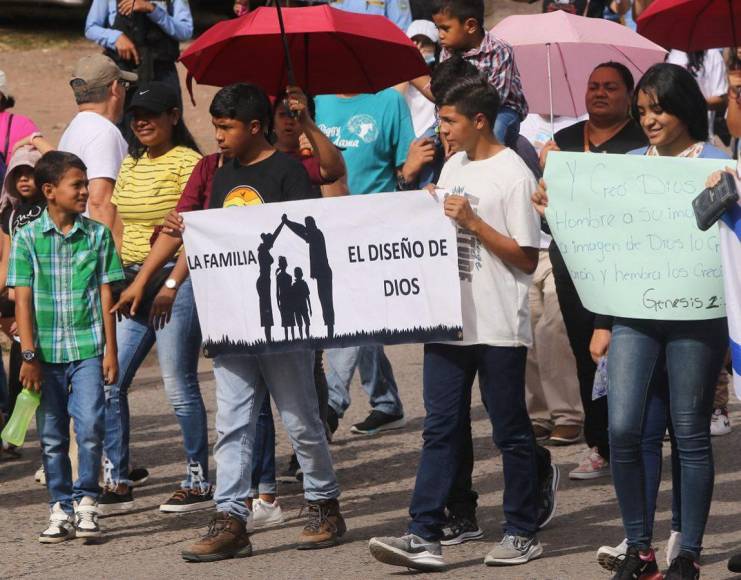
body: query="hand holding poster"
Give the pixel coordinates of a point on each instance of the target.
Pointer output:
(627, 232)
(324, 273)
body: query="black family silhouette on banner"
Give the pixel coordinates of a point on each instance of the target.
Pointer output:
(292, 293)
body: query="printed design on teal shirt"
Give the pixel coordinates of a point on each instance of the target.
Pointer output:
(364, 127)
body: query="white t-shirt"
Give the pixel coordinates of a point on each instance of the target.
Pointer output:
(711, 77)
(537, 128)
(494, 296)
(96, 141)
(422, 110)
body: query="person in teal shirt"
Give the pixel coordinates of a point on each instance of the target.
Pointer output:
(374, 132)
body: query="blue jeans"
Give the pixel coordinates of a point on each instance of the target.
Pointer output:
(178, 346)
(694, 354)
(376, 377)
(507, 126)
(263, 453)
(71, 390)
(242, 383)
(448, 375)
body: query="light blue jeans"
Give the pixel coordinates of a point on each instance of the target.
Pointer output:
(178, 347)
(71, 390)
(242, 383)
(694, 354)
(376, 377)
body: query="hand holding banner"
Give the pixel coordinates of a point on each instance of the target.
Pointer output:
(324, 273)
(626, 230)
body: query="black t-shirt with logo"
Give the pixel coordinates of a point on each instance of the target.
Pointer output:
(14, 218)
(280, 177)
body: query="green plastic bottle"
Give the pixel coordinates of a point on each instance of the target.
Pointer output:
(25, 407)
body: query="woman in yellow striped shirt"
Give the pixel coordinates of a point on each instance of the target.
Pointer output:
(152, 178)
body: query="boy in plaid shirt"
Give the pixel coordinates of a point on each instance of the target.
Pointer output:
(460, 24)
(61, 266)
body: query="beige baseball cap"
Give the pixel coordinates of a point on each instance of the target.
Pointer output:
(98, 71)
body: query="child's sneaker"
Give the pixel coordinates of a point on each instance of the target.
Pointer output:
(592, 466)
(86, 518)
(60, 527)
(265, 515)
(720, 424)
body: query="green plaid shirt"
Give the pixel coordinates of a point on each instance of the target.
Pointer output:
(65, 272)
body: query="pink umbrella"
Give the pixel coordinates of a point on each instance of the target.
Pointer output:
(562, 49)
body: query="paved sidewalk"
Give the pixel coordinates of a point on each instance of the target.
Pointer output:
(376, 474)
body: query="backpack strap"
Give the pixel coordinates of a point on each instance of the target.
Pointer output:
(7, 138)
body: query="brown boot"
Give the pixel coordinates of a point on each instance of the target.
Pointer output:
(325, 526)
(226, 538)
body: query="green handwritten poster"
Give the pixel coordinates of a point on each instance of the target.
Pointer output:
(627, 231)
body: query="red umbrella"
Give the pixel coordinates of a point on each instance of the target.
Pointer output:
(332, 51)
(691, 25)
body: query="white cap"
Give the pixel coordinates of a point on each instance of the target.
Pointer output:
(425, 28)
(4, 88)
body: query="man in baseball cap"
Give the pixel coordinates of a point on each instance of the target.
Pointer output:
(100, 92)
(97, 72)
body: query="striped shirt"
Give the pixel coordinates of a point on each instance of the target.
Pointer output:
(65, 272)
(146, 190)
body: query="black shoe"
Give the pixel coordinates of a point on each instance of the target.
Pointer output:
(378, 421)
(460, 529)
(333, 420)
(634, 566)
(549, 487)
(734, 564)
(138, 476)
(189, 500)
(290, 474)
(683, 567)
(112, 503)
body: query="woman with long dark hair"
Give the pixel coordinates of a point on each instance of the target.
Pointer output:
(673, 113)
(161, 158)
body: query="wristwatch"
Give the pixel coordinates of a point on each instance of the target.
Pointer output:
(28, 355)
(171, 283)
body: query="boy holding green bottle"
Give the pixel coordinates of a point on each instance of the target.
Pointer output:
(61, 266)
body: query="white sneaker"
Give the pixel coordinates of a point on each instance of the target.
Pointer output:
(592, 466)
(60, 527)
(40, 476)
(673, 547)
(265, 515)
(86, 518)
(609, 558)
(720, 424)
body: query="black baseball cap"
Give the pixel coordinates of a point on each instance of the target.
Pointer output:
(155, 96)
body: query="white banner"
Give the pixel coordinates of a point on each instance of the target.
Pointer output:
(324, 273)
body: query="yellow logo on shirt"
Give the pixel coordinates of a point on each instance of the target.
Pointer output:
(241, 196)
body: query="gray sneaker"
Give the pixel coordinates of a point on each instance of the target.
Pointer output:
(409, 551)
(514, 550)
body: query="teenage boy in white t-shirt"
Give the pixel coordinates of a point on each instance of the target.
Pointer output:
(488, 195)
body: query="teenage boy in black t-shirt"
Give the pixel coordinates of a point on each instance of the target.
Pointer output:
(257, 173)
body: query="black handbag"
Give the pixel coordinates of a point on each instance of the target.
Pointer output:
(150, 290)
